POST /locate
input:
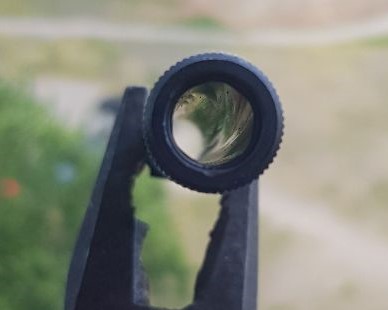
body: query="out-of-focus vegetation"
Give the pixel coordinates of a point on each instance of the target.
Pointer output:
(113, 8)
(233, 14)
(88, 59)
(46, 177)
(203, 23)
(163, 256)
(135, 11)
(377, 41)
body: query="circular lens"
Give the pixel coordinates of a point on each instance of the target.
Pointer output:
(212, 123)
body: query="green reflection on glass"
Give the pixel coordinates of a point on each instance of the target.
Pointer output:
(212, 123)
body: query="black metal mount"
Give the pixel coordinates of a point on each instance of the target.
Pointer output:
(106, 272)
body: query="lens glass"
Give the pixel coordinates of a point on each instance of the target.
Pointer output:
(212, 123)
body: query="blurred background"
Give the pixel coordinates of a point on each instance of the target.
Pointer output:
(323, 204)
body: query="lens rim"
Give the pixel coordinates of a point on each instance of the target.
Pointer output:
(166, 156)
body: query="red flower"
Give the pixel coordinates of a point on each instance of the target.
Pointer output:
(9, 188)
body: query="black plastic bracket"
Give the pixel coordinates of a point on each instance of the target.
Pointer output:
(106, 273)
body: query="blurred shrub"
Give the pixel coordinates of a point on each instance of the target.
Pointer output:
(203, 22)
(38, 224)
(46, 177)
(162, 257)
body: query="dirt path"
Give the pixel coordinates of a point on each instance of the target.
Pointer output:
(49, 29)
(329, 262)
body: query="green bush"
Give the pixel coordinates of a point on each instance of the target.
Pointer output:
(46, 177)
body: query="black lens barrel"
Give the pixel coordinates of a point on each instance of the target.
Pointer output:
(212, 69)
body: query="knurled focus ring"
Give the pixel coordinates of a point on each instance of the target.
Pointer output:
(167, 157)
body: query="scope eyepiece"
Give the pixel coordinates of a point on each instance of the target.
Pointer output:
(213, 122)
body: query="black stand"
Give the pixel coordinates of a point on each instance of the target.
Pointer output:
(106, 272)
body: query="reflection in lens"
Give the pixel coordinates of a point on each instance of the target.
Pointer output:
(223, 118)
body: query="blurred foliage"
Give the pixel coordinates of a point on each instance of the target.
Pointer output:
(160, 12)
(46, 177)
(71, 57)
(133, 10)
(38, 225)
(163, 258)
(203, 22)
(376, 41)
